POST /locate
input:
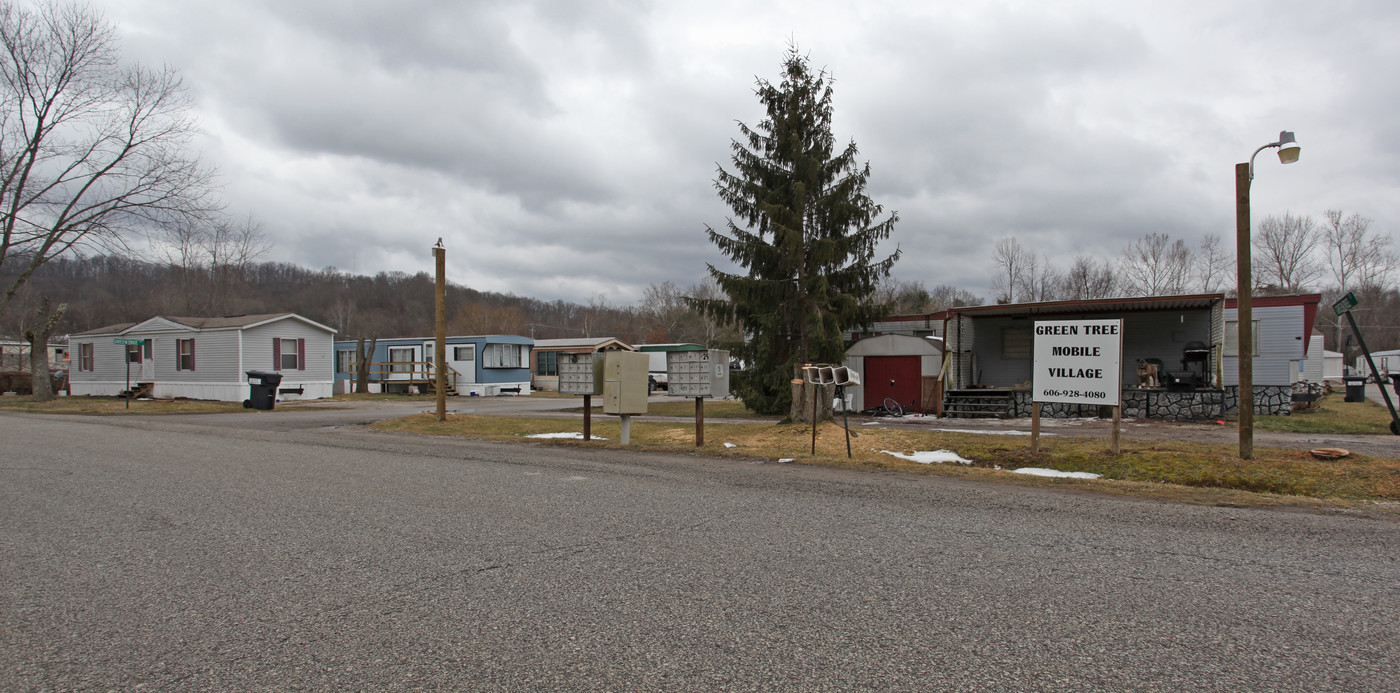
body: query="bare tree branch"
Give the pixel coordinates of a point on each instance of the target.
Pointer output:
(90, 152)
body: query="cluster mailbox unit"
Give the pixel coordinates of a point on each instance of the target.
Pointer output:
(619, 376)
(698, 373)
(576, 376)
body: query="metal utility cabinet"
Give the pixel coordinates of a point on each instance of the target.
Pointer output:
(698, 373)
(624, 375)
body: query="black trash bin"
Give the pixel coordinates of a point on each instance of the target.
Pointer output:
(1395, 382)
(262, 390)
(1356, 389)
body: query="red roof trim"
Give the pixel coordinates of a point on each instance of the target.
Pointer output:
(1276, 301)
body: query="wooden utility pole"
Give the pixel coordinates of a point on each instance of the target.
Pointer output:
(440, 334)
(1245, 316)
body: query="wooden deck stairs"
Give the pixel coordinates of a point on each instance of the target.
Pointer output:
(138, 391)
(977, 403)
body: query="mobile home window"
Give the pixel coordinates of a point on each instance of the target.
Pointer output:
(133, 353)
(85, 356)
(343, 359)
(289, 355)
(401, 360)
(184, 350)
(1232, 337)
(501, 356)
(547, 363)
(464, 353)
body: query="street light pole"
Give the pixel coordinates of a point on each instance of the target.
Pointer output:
(1244, 319)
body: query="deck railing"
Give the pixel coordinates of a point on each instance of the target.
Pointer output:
(409, 372)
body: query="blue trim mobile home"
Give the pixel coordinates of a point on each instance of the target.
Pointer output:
(486, 365)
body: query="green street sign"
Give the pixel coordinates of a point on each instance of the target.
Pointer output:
(1345, 304)
(128, 342)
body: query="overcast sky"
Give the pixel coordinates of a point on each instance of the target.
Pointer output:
(567, 148)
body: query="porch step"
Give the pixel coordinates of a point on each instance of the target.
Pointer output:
(137, 392)
(977, 403)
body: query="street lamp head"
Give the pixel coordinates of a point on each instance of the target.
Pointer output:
(1288, 148)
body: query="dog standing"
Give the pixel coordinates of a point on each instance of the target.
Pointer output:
(1147, 374)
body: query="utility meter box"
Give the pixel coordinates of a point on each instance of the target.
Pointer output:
(624, 376)
(577, 376)
(698, 373)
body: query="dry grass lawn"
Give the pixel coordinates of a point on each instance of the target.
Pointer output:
(115, 405)
(1193, 472)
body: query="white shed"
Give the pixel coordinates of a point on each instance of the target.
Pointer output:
(893, 365)
(1319, 364)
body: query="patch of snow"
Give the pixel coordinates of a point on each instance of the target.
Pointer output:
(730, 445)
(929, 457)
(786, 460)
(1037, 471)
(568, 436)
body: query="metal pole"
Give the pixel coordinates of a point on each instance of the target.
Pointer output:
(1245, 312)
(626, 429)
(588, 417)
(814, 419)
(440, 335)
(845, 417)
(1394, 420)
(699, 421)
(128, 375)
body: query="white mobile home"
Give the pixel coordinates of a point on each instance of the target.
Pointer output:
(203, 358)
(1282, 327)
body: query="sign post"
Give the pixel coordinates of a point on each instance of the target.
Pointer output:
(1077, 362)
(1343, 307)
(128, 343)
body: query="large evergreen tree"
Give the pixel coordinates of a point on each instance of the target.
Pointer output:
(806, 233)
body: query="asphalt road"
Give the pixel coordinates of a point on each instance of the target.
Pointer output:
(171, 555)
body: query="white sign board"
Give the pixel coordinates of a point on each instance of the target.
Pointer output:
(1078, 362)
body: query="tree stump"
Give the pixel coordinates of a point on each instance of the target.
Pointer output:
(802, 393)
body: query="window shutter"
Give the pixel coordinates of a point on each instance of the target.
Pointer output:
(191, 353)
(301, 354)
(179, 343)
(276, 354)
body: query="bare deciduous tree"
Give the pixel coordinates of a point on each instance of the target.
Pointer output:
(1358, 259)
(665, 311)
(363, 353)
(1038, 281)
(90, 151)
(1010, 259)
(38, 338)
(1213, 264)
(903, 297)
(1155, 265)
(945, 296)
(1088, 278)
(1283, 252)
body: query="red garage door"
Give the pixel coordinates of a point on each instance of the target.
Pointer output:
(896, 377)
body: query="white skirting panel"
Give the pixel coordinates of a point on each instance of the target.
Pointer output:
(223, 392)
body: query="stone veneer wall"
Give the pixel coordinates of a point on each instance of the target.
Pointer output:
(1173, 406)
